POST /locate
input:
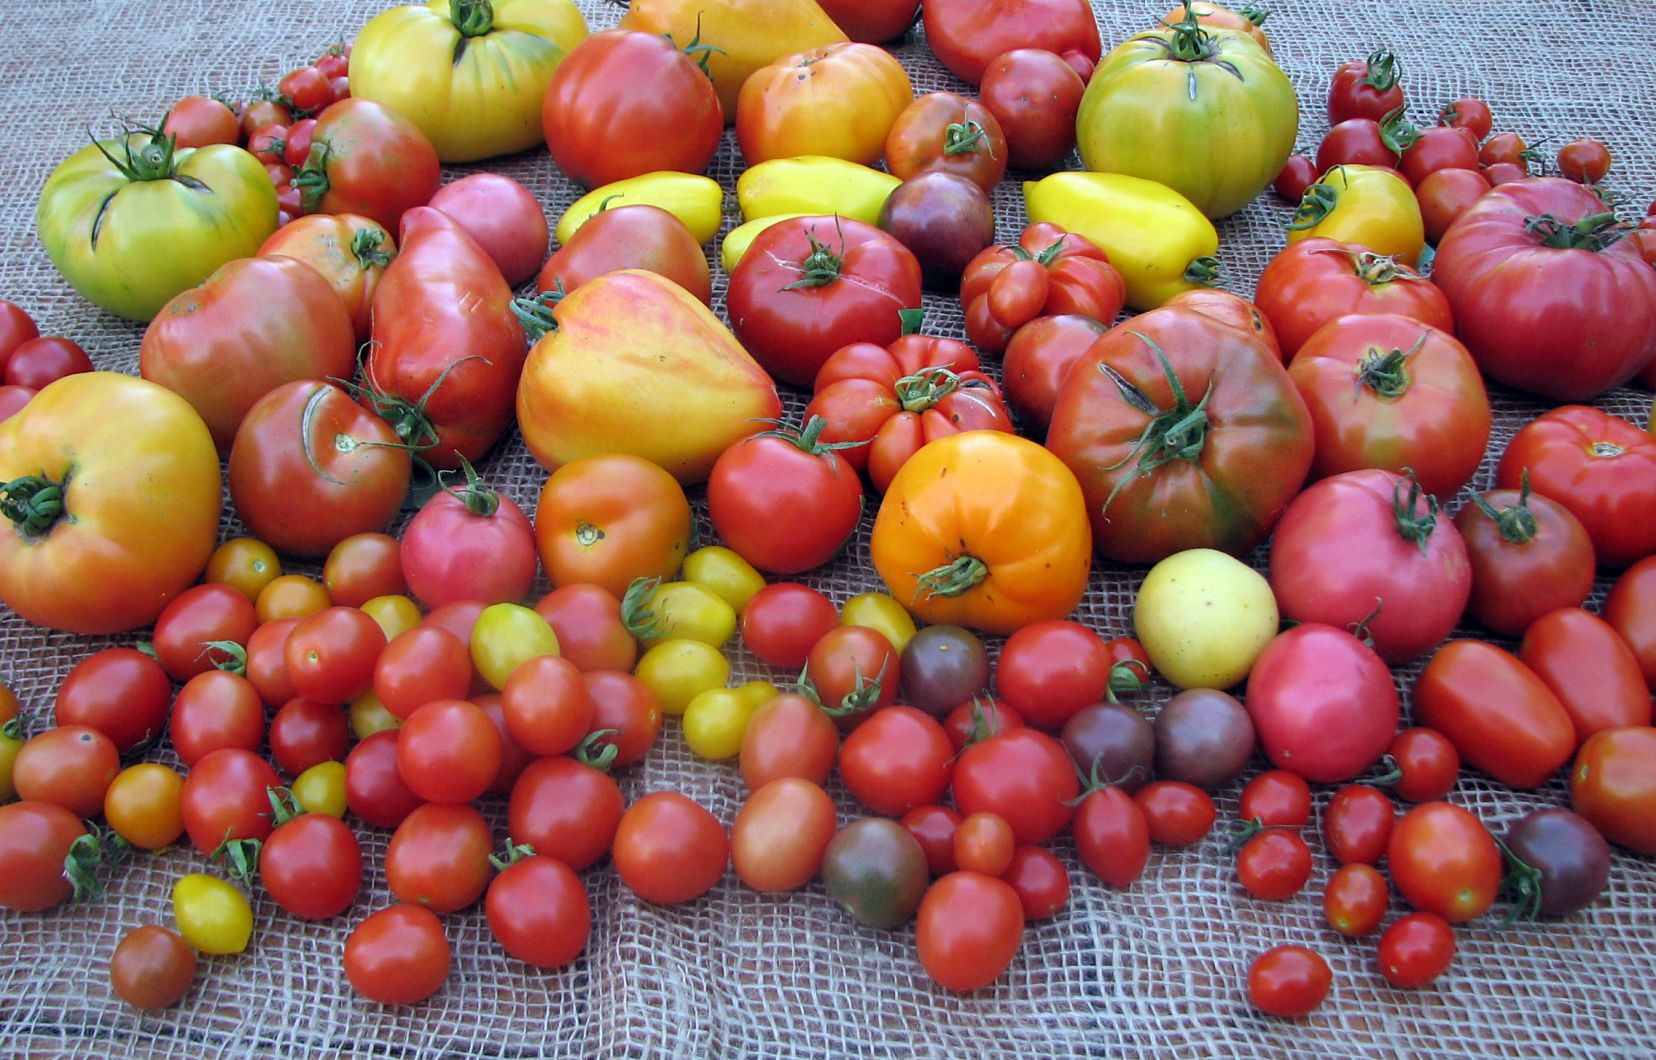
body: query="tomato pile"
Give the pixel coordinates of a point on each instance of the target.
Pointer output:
(337, 341)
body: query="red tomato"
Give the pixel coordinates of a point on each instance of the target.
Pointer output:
(1232, 309)
(36, 839)
(601, 129)
(398, 956)
(1584, 161)
(348, 250)
(1367, 541)
(1298, 173)
(1288, 981)
(448, 751)
(788, 736)
(420, 665)
(469, 543)
(1176, 813)
(669, 850)
(1591, 670)
(1034, 95)
(1600, 467)
(1443, 860)
(1038, 357)
(638, 236)
(513, 758)
(1529, 556)
(312, 866)
(1445, 195)
(547, 706)
(1438, 148)
(362, 567)
(983, 843)
(853, 671)
(1613, 785)
(565, 810)
(539, 912)
(439, 857)
(948, 132)
(1355, 900)
(933, 827)
(214, 710)
(197, 618)
(782, 622)
(1523, 743)
(1023, 775)
(1631, 609)
(1040, 880)
(374, 787)
(898, 759)
(1366, 88)
(1112, 836)
(1504, 173)
(12, 400)
(197, 121)
(1426, 763)
(977, 720)
(784, 471)
(305, 733)
(121, 692)
(969, 929)
(226, 797)
(1309, 283)
(587, 621)
(809, 285)
(1047, 272)
(871, 21)
(966, 35)
(1322, 702)
(1357, 824)
(624, 705)
(366, 158)
(267, 661)
(71, 766)
(35, 363)
(503, 217)
(1049, 670)
(152, 966)
(1416, 950)
(1469, 113)
(1274, 865)
(1275, 798)
(780, 833)
(331, 654)
(296, 144)
(1365, 142)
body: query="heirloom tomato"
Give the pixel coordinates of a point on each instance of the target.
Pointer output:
(1501, 717)
(196, 121)
(1366, 88)
(1034, 94)
(212, 915)
(1047, 272)
(1631, 609)
(348, 250)
(639, 236)
(1416, 950)
(1469, 113)
(469, 542)
(1613, 785)
(1313, 281)
(1038, 357)
(1322, 702)
(966, 35)
(368, 159)
(1529, 556)
(152, 966)
(872, 21)
(503, 217)
(946, 131)
(837, 100)
(1444, 861)
(780, 833)
(1024, 776)
(1203, 617)
(608, 520)
(1588, 666)
(784, 470)
(1232, 309)
(1445, 195)
(1372, 206)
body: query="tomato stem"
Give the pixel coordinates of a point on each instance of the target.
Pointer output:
(284, 806)
(925, 388)
(962, 574)
(34, 503)
(512, 852)
(1386, 372)
(1522, 883)
(1595, 233)
(966, 137)
(821, 266)
(80, 866)
(1414, 527)
(1384, 70)
(1203, 271)
(1315, 205)
(534, 315)
(231, 657)
(641, 620)
(240, 858)
(1177, 433)
(478, 497)
(597, 751)
(368, 247)
(472, 18)
(1515, 522)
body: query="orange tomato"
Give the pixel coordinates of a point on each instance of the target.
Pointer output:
(606, 520)
(840, 100)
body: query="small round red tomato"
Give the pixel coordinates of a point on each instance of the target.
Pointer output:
(1416, 950)
(1041, 881)
(448, 751)
(899, 759)
(1613, 785)
(1503, 148)
(214, 710)
(121, 692)
(305, 89)
(1357, 824)
(588, 624)
(782, 622)
(16, 327)
(1584, 161)
(152, 966)
(668, 849)
(547, 706)
(398, 956)
(1588, 666)
(788, 736)
(1112, 836)
(312, 866)
(193, 620)
(1469, 113)
(1034, 95)
(969, 930)
(1426, 763)
(267, 661)
(71, 766)
(1176, 813)
(362, 567)
(1297, 174)
(983, 843)
(307, 732)
(1276, 798)
(1445, 195)
(854, 671)
(469, 542)
(226, 797)
(1363, 142)
(1366, 88)
(420, 665)
(780, 833)
(1529, 556)
(331, 654)
(784, 471)
(40, 361)
(374, 787)
(296, 148)
(1274, 865)
(539, 912)
(1049, 670)
(624, 705)
(1443, 860)
(197, 121)
(1437, 148)
(1038, 357)
(1631, 609)
(1355, 900)
(439, 857)
(1288, 981)
(978, 719)
(36, 839)
(513, 758)
(1504, 173)
(933, 827)
(1023, 775)
(565, 810)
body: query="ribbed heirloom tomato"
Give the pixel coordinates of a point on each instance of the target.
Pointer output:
(784, 500)
(838, 100)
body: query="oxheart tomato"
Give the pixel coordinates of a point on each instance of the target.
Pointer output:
(368, 159)
(348, 250)
(111, 487)
(1500, 716)
(1547, 294)
(966, 35)
(1322, 703)
(839, 100)
(1184, 432)
(1613, 785)
(1529, 556)
(1444, 861)
(784, 470)
(469, 543)
(1047, 272)
(1600, 467)
(1023, 775)
(1591, 670)
(1372, 546)
(809, 285)
(1316, 280)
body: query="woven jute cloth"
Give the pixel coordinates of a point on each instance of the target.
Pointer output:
(1157, 969)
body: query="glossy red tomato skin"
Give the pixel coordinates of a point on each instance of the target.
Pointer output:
(587, 620)
(1038, 357)
(783, 620)
(1288, 981)
(565, 810)
(919, 140)
(625, 705)
(420, 665)
(1040, 880)
(307, 732)
(376, 163)
(1357, 824)
(1298, 173)
(933, 827)
(452, 553)
(331, 654)
(669, 849)
(37, 362)
(1355, 900)
(966, 36)
(1427, 763)
(439, 857)
(513, 758)
(12, 400)
(1049, 670)
(398, 956)
(969, 929)
(121, 692)
(1322, 702)
(208, 612)
(72, 766)
(1035, 95)
(1439, 147)
(448, 751)
(1469, 113)
(1274, 865)
(1275, 798)
(990, 718)
(16, 326)
(1111, 836)
(897, 760)
(1176, 813)
(1591, 670)
(1445, 195)
(539, 912)
(225, 798)
(1416, 950)
(854, 671)
(312, 866)
(374, 788)
(214, 710)
(766, 474)
(1515, 582)
(1443, 860)
(1600, 467)
(1523, 742)
(788, 736)
(1631, 609)
(1023, 775)
(639, 236)
(35, 837)
(1613, 785)
(362, 567)
(1355, 142)
(547, 707)
(1584, 161)
(1365, 88)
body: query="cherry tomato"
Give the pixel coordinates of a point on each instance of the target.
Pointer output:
(1416, 950)
(267, 661)
(504, 637)
(788, 736)
(439, 857)
(1041, 881)
(1613, 785)
(1023, 775)
(780, 834)
(983, 843)
(312, 866)
(246, 564)
(1298, 173)
(587, 621)
(152, 968)
(1049, 670)
(398, 956)
(669, 850)
(307, 732)
(565, 810)
(547, 707)
(420, 665)
(978, 719)
(290, 596)
(362, 567)
(374, 787)
(1276, 798)
(212, 915)
(1446, 194)
(783, 621)
(215, 710)
(854, 671)
(121, 692)
(1112, 836)
(331, 654)
(1274, 864)
(539, 912)
(321, 789)
(969, 930)
(933, 827)
(38, 362)
(875, 868)
(72, 766)
(1355, 900)
(1443, 860)
(192, 620)
(36, 841)
(142, 805)
(1506, 148)
(1038, 357)
(1583, 161)
(1365, 88)
(1288, 981)
(306, 88)
(16, 327)
(448, 751)
(225, 797)
(1176, 813)
(898, 759)
(1469, 113)
(1529, 556)
(12, 400)
(1426, 762)
(883, 615)
(1438, 148)
(1357, 825)
(624, 705)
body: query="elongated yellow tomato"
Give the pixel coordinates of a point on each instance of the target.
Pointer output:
(1368, 205)
(212, 915)
(984, 529)
(725, 572)
(1204, 111)
(881, 613)
(470, 73)
(1159, 242)
(111, 491)
(656, 612)
(639, 365)
(680, 669)
(696, 200)
(813, 184)
(716, 720)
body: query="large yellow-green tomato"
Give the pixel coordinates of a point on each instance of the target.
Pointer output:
(1204, 111)
(1203, 617)
(470, 73)
(132, 222)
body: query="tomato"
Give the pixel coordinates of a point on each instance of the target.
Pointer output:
(656, 613)
(1323, 703)
(321, 789)
(1274, 864)
(1521, 745)
(600, 129)
(362, 567)
(670, 850)
(398, 956)
(1368, 88)
(196, 121)
(1416, 950)
(1034, 95)
(1529, 556)
(1047, 272)
(1409, 579)
(1311, 282)
(587, 621)
(1355, 900)
(306, 732)
(969, 929)
(1203, 737)
(1049, 670)
(1275, 798)
(16, 328)
(1631, 609)
(266, 667)
(1600, 467)
(967, 36)
(1469, 113)
(1445, 195)
(37, 841)
(107, 555)
(876, 870)
(881, 613)
(1151, 490)
(565, 810)
(853, 671)
(1372, 206)
(1023, 775)
(1426, 763)
(225, 798)
(1232, 309)
(784, 470)
(1584, 161)
(933, 828)
(1611, 785)
(948, 132)
(637, 236)
(780, 834)
(539, 913)
(121, 692)
(212, 915)
(1175, 813)
(1038, 357)
(1443, 860)
(1438, 148)
(448, 751)
(37, 362)
(1297, 174)
(1220, 136)
(810, 285)
(71, 766)
(1546, 294)
(503, 217)
(1387, 391)
(983, 843)
(331, 655)
(1357, 823)
(899, 759)
(246, 564)
(1366, 142)
(439, 857)
(1504, 172)
(839, 100)
(629, 709)
(607, 520)
(1591, 670)
(788, 736)
(784, 620)
(214, 710)
(977, 720)
(312, 866)
(142, 805)
(1560, 863)
(872, 22)
(469, 543)
(374, 788)
(290, 596)
(368, 159)
(152, 967)
(1288, 981)
(396, 614)
(12, 400)
(348, 250)
(1040, 880)
(1203, 617)
(1111, 835)
(943, 666)
(193, 631)
(547, 708)
(262, 112)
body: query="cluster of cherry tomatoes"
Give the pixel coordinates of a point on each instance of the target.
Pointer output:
(30, 360)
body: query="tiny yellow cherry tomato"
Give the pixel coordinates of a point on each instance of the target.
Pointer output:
(671, 610)
(881, 613)
(321, 789)
(758, 692)
(726, 573)
(368, 716)
(246, 564)
(678, 670)
(716, 720)
(291, 596)
(212, 915)
(144, 805)
(505, 637)
(395, 614)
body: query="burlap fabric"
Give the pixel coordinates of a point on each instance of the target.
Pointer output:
(1158, 969)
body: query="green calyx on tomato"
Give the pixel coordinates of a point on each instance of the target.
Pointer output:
(473, 18)
(1317, 203)
(80, 865)
(478, 497)
(34, 503)
(965, 137)
(312, 178)
(1413, 527)
(821, 266)
(1177, 433)
(864, 694)
(1515, 522)
(598, 750)
(1595, 232)
(513, 852)
(368, 247)
(1396, 134)
(1375, 270)
(240, 857)
(697, 52)
(153, 161)
(642, 621)
(962, 574)
(535, 314)
(1521, 883)
(1386, 372)
(1384, 70)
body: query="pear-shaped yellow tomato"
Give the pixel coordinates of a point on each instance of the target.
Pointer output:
(470, 73)
(1204, 111)
(984, 529)
(638, 365)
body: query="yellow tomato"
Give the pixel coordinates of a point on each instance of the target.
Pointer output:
(395, 614)
(144, 805)
(814, 184)
(679, 670)
(881, 613)
(505, 637)
(246, 564)
(696, 200)
(738, 239)
(291, 596)
(686, 610)
(212, 915)
(726, 573)
(1368, 205)
(321, 789)
(716, 720)
(1203, 617)
(368, 716)
(840, 100)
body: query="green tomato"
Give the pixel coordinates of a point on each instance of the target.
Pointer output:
(9, 746)
(131, 222)
(212, 915)
(505, 637)
(1203, 617)
(679, 670)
